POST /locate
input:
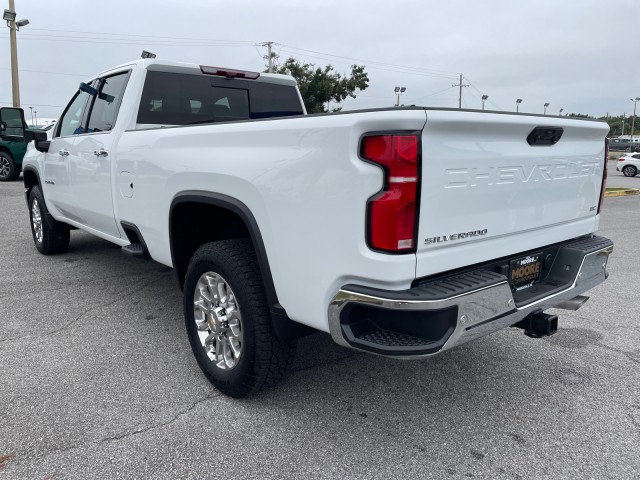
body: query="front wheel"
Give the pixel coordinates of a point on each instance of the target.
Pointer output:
(629, 171)
(9, 171)
(49, 235)
(228, 320)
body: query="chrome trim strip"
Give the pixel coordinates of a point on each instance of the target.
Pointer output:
(481, 311)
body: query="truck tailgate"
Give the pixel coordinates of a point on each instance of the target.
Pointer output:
(487, 193)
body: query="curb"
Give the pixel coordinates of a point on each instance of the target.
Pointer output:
(621, 192)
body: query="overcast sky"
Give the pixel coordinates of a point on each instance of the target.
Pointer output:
(578, 55)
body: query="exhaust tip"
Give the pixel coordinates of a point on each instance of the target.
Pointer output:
(574, 304)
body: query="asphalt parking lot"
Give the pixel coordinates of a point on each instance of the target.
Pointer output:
(97, 380)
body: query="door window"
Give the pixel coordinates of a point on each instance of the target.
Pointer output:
(71, 122)
(106, 104)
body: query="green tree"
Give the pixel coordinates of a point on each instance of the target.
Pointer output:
(616, 125)
(319, 86)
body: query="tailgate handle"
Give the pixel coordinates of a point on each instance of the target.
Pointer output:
(544, 136)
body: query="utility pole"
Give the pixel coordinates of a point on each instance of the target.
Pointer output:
(270, 56)
(460, 94)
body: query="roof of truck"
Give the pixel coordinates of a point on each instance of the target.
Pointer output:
(194, 68)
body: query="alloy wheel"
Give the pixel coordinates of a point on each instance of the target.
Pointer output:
(36, 220)
(5, 168)
(218, 320)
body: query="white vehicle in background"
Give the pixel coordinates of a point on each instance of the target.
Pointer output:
(44, 124)
(629, 164)
(401, 232)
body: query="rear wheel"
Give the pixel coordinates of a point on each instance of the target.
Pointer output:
(228, 320)
(9, 171)
(49, 235)
(629, 171)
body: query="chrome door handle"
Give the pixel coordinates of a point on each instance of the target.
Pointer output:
(64, 153)
(100, 153)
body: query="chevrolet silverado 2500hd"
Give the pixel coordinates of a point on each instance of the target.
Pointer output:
(402, 232)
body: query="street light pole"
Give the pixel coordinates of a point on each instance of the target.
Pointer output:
(15, 84)
(399, 91)
(545, 108)
(14, 26)
(484, 97)
(518, 102)
(633, 122)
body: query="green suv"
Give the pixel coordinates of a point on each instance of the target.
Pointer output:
(11, 154)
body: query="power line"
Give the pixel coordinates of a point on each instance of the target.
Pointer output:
(435, 94)
(50, 73)
(374, 66)
(107, 41)
(34, 104)
(134, 39)
(444, 73)
(120, 35)
(480, 93)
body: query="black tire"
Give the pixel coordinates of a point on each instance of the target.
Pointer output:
(263, 359)
(629, 171)
(9, 171)
(53, 236)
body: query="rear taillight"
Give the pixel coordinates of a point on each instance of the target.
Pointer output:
(604, 173)
(392, 213)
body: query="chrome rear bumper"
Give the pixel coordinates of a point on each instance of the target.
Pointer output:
(465, 306)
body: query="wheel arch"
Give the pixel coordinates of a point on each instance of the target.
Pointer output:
(186, 236)
(31, 178)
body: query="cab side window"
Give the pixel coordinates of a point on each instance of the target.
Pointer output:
(71, 122)
(106, 104)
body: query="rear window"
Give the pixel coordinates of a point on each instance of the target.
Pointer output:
(183, 99)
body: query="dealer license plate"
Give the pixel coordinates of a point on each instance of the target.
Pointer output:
(525, 271)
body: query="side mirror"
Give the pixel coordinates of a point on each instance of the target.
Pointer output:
(13, 128)
(42, 145)
(12, 125)
(37, 135)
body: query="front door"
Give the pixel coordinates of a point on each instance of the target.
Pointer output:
(83, 159)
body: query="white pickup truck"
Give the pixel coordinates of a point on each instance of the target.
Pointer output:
(402, 231)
